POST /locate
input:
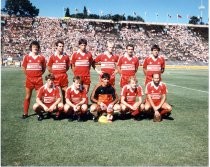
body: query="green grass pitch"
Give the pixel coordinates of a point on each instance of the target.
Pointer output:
(179, 142)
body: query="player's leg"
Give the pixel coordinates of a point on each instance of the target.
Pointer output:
(38, 109)
(26, 103)
(94, 108)
(165, 110)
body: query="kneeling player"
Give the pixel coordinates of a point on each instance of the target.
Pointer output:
(129, 102)
(104, 97)
(76, 100)
(156, 98)
(48, 99)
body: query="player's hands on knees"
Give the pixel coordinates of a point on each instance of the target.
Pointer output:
(46, 108)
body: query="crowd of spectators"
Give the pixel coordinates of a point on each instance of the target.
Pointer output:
(177, 42)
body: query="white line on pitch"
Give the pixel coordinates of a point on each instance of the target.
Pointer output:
(187, 88)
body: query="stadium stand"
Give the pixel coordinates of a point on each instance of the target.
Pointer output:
(180, 44)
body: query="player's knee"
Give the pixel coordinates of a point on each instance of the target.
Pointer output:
(35, 106)
(123, 107)
(93, 108)
(60, 106)
(84, 108)
(169, 108)
(142, 107)
(146, 107)
(117, 108)
(66, 107)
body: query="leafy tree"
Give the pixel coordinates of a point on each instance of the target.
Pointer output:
(23, 8)
(118, 17)
(194, 20)
(93, 16)
(67, 14)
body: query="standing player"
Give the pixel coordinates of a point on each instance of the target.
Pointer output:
(81, 62)
(34, 66)
(75, 100)
(48, 99)
(127, 65)
(156, 98)
(153, 64)
(129, 95)
(104, 98)
(58, 65)
(108, 63)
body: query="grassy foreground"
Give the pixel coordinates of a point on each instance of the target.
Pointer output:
(182, 141)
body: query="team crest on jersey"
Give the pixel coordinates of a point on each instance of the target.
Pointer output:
(112, 59)
(79, 57)
(45, 94)
(152, 91)
(64, 61)
(56, 61)
(105, 59)
(29, 60)
(38, 61)
(125, 62)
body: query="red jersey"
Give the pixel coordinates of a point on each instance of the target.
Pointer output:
(130, 95)
(156, 92)
(34, 66)
(59, 65)
(48, 98)
(74, 97)
(107, 63)
(128, 66)
(82, 63)
(153, 65)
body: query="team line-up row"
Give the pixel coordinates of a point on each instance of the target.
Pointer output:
(104, 97)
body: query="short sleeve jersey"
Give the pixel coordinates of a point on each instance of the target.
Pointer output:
(128, 66)
(156, 92)
(74, 97)
(130, 95)
(59, 65)
(107, 63)
(48, 98)
(34, 66)
(153, 66)
(82, 63)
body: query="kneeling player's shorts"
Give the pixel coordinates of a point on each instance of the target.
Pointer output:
(61, 80)
(33, 82)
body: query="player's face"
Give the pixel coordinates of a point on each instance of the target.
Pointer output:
(83, 47)
(77, 84)
(50, 83)
(133, 84)
(105, 81)
(35, 49)
(130, 50)
(110, 48)
(156, 78)
(60, 47)
(155, 52)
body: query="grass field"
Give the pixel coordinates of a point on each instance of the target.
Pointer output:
(179, 142)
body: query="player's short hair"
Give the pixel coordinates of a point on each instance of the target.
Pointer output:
(77, 78)
(110, 43)
(50, 76)
(59, 41)
(155, 47)
(36, 43)
(129, 45)
(105, 75)
(132, 78)
(82, 41)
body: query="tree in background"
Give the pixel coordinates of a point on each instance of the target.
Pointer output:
(194, 20)
(67, 14)
(85, 13)
(23, 8)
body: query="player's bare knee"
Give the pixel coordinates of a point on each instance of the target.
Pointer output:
(35, 106)
(60, 106)
(66, 108)
(84, 107)
(117, 108)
